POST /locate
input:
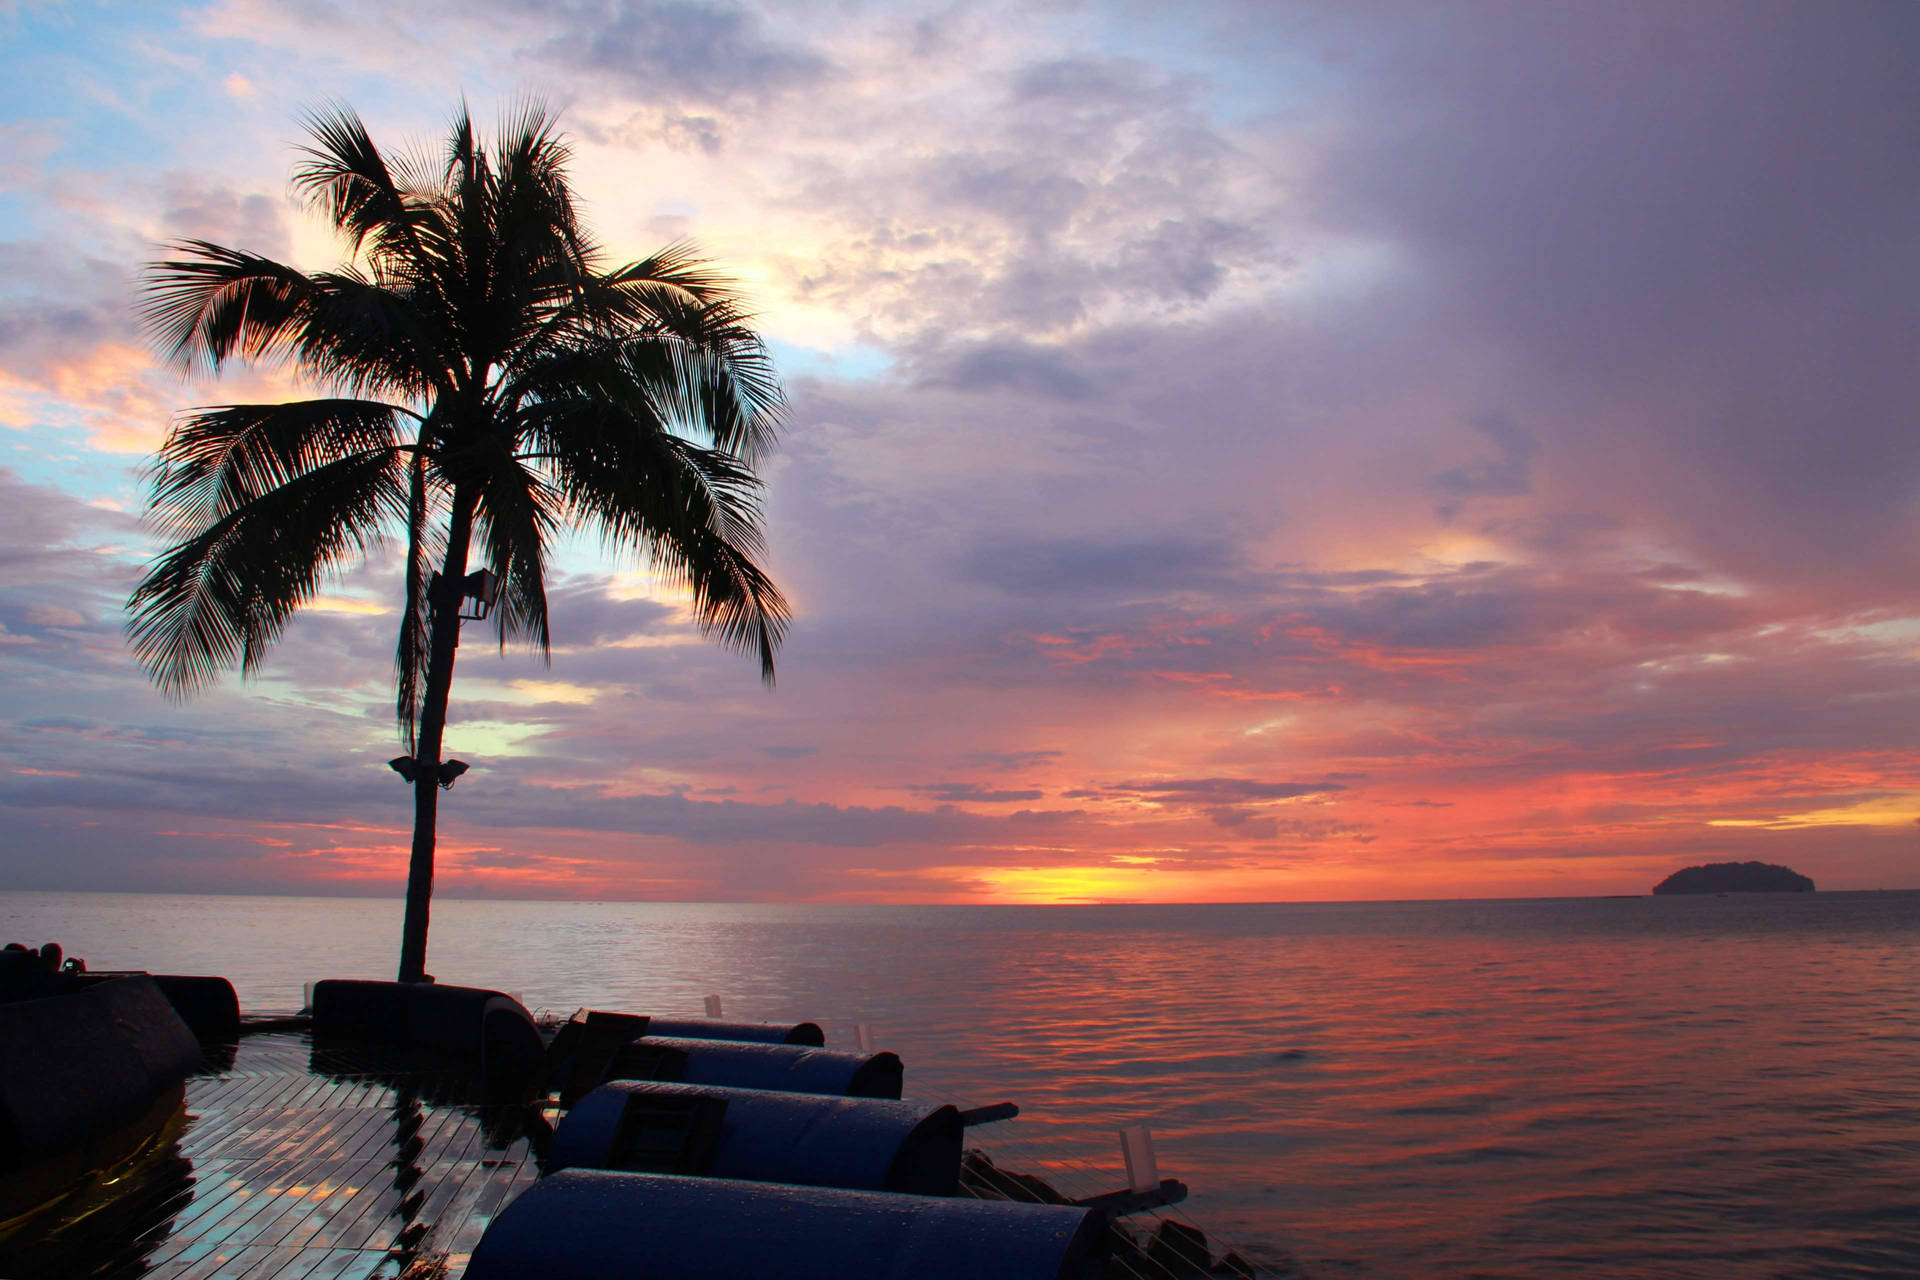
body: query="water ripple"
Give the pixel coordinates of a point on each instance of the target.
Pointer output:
(1622, 1088)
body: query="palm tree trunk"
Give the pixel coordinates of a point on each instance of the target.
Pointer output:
(443, 639)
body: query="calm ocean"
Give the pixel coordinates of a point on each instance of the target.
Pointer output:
(1659, 1087)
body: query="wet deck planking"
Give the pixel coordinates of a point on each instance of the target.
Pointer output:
(297, 1165)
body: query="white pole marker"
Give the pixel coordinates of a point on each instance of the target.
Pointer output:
(1136, 1144)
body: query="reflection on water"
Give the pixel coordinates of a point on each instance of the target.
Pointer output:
(1658, 1086)
(302, 1160)
(102, 1227)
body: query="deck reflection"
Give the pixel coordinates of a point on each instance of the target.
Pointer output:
(297, 1164)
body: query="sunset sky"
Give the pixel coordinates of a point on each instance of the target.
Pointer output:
(1266, 451)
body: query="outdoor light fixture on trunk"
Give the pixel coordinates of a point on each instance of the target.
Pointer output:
(453, 596)
(494, 384)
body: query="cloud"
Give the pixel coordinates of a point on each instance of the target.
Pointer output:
(196, 206)
(1375, 452)
(972, 793)
(1114, 566)
(1693, 252)
(1008, 366)
(679, 50)
(1006, 761)
(1214, 790)
(71, 349)
(1510, 474)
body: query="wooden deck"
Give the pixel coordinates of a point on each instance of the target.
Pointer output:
(289, 1164)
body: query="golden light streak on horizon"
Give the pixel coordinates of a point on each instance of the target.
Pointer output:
(645, 640)
(1895, 811)
(348, 604)
(1060, 884)
(532, 690)
(494, 737)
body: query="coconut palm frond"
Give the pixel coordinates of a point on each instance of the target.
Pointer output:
(214, 303)
(365, 337)
(692, 513)
(677, 268)
(721, 382)
(219, 459)
(728, 390)
(220, 598)
(515, 521)
(734, 600)
(628, 478)
(582, 308)
(425, 545)
(348, 180)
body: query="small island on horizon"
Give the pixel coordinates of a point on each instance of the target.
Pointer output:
(1735, 877)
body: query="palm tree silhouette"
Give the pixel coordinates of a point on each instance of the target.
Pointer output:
(493, 383)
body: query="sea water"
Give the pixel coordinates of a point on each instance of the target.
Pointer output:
(1658, 1087)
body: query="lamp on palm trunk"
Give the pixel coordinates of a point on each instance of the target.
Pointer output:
(478, 592)
(444, 773)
